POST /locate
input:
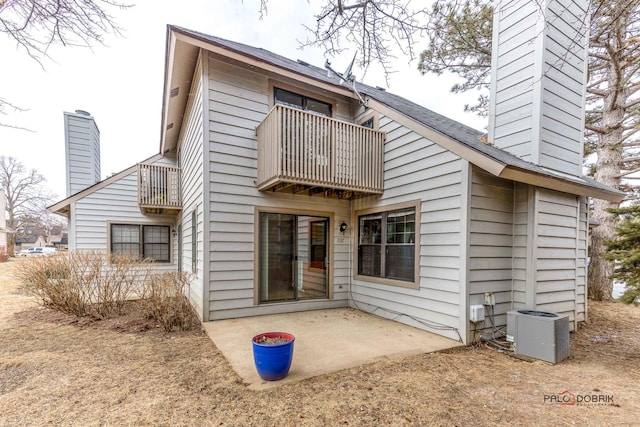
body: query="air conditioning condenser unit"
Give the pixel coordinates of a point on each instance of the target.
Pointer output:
(539, 334)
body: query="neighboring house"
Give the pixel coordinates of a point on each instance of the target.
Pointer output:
(61, 243)
(281, 192)
(57, 238)
(31, 241)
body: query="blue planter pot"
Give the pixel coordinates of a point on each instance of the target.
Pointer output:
(273, 361)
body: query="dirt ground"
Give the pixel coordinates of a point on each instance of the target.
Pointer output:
(55, 370)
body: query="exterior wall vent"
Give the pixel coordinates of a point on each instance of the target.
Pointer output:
(174, 92)
(539, 334)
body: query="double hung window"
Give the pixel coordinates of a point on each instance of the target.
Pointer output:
(142, 241)
(387, 244)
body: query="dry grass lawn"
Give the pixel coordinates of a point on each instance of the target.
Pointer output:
(55, 370)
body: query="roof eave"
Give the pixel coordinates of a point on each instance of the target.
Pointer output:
(487, 163)
(495, 166)
(559, 184)
(477, 157)
(249, 59)
(180, 61)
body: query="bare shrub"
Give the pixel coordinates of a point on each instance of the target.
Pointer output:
(166, 300)
(99, 285)
(47, 278)
(84, 283)
(107, 281)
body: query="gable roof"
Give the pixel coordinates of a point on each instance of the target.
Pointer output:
(27, 239)
(452, 135)
(62, 207)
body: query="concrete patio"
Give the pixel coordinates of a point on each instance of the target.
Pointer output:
(326, 341)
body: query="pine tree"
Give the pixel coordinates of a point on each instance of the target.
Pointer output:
(625, 251)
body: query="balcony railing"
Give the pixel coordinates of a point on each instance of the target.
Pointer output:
(308, 152)
(159, 189)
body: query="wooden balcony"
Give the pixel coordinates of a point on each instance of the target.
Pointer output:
(159, 189)
(305, 153)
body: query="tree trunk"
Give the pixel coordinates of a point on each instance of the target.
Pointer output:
(11, 237)
(608, 166)
(600, 284)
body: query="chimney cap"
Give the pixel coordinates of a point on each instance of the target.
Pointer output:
(83, 112)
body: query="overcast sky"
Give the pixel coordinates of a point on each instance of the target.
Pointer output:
(120, 83)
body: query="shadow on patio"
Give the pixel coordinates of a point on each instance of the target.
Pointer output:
(326, 341)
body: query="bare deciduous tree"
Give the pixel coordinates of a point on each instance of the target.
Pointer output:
(376, 28)
(37, 25)
(26, 194)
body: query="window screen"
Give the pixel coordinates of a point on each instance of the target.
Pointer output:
(386, 245)
(156, 242)
(142, 241)
(125, 239)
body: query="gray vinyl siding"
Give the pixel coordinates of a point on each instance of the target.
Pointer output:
(538, 82)
(114, 203)
(492, 242)
(191, 163)
(82, 152)
(528, 245)
(238, 100)
(563, 87)
(513, 79)
(581, 275)
(520, 248)
(416, 169)
(557, 252)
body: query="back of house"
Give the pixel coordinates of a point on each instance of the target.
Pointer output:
(280, 190)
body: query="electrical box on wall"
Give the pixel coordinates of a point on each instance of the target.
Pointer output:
(489, 298)
(476, 313)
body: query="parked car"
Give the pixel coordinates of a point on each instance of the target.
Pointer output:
(37, 251)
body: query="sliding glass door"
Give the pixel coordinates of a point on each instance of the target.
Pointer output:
(293, 257)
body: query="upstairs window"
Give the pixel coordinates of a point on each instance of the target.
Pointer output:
(370, 123)
(291, 99)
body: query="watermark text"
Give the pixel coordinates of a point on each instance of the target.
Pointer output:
(567, 398)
